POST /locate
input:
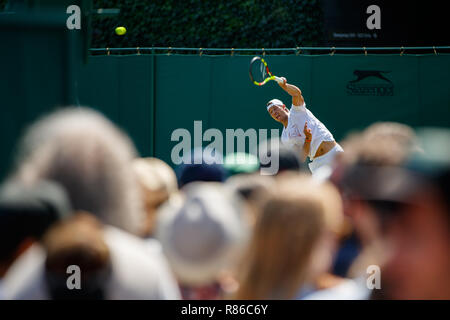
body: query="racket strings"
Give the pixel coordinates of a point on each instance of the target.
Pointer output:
(259, 71)
(263, 70)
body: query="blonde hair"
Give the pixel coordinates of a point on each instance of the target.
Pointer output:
(382, 144)
(155, 175)
(158, 182)
(291, 223)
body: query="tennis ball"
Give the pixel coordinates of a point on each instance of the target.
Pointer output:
(121, 31)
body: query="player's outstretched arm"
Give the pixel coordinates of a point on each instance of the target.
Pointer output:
(293, 91)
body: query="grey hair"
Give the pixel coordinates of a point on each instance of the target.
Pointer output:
(91, 158)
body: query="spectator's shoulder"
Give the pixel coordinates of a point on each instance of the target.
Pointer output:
(138, 273)
(25, 279)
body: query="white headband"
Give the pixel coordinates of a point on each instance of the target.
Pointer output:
(274, 102)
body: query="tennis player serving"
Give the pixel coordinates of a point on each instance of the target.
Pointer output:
(302, 130)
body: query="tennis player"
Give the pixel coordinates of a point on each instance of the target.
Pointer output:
(303, 131)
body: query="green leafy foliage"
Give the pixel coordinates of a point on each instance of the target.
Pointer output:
(210, 23)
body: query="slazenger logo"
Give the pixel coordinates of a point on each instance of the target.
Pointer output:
(367, 83)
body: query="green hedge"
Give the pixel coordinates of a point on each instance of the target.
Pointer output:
(210, 23)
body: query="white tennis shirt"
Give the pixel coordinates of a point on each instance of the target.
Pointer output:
(293, 134)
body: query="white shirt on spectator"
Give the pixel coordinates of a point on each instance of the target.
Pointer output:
(138, 272)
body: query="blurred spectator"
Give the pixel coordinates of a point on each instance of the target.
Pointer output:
(274, 155)
(78, 242)
(293, 241)
(396, 136)
(254, 189)
(419, 232)
(361, 172)
(381, 144)
(201, 165)
(241, 163)
(158, 182)
(202, 235)
(91, 159)
(25, 214)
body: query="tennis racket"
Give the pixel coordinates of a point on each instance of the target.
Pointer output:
(260, 73)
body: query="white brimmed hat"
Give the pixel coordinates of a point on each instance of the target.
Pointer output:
(202, 233)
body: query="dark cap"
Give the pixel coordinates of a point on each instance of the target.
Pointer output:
(200, 165)
(28, 211)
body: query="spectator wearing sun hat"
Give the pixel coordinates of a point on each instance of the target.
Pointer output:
(201, 235)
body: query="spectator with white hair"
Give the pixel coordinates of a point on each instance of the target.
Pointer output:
(91, 159)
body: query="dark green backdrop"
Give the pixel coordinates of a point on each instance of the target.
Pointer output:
(149, 96)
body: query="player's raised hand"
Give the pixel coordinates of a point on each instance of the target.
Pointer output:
(283, 82)
(307, 132)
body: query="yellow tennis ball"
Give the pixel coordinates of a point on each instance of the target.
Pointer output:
(121, 31)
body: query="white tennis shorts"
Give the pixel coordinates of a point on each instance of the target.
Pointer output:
(325, 161)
